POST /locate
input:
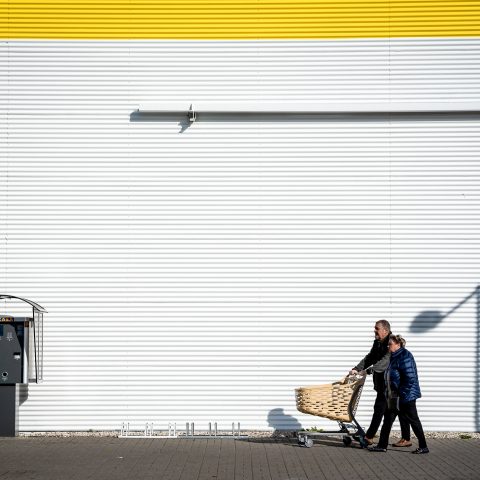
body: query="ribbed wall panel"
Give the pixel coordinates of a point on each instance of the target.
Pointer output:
(233, 19)
(203, 272)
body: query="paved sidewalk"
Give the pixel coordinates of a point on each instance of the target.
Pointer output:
(109, 458)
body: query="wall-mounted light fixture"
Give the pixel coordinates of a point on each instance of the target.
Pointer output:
(289, 107)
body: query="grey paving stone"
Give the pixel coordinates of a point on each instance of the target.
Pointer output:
(110, 458)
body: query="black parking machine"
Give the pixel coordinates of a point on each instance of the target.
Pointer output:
(21, 356)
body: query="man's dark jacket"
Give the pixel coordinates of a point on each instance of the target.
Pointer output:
(377, 361)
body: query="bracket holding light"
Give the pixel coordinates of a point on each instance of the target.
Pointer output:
(192, 116)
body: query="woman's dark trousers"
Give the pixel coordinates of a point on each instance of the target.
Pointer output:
(378, 412)
(409, 413)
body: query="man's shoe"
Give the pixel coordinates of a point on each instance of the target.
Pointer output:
(402, 443)
(419, 451)
(369, 440)
(376, 448)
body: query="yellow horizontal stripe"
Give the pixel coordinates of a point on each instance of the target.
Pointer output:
(233, 19)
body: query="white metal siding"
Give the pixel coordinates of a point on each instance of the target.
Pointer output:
(203, 275)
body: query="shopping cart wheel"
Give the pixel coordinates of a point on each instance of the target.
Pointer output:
(347, 441)
(309, 442)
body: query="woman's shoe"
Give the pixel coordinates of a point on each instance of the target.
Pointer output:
(376, 448)
(419, 451)
(402, 443)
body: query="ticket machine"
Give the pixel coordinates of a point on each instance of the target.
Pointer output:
(21, 355)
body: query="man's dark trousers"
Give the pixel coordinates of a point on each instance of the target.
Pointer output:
(378, 412)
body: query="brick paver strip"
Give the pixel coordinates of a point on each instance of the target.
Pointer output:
(325, 461)
(243, 461)
(275, 460)
(165, 460)
(211, 459)
(194, 459)
(226, 467)
(466, 450)
(260, 468)
(363, 466)
(313, 470)
(100, 458)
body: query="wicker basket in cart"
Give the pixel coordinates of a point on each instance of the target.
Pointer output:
(335, 401)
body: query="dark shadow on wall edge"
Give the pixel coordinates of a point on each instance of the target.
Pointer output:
(23, 393)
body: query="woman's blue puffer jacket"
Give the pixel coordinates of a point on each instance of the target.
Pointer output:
(403, 375)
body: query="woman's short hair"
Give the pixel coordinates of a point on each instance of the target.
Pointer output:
(398, 339)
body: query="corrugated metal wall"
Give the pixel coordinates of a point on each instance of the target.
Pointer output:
(202, 273)
(237, 19)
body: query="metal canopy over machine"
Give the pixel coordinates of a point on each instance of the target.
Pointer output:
(21, 358)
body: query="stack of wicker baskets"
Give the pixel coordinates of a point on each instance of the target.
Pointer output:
(330, 400)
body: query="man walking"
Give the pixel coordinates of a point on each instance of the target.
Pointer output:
(377, 361)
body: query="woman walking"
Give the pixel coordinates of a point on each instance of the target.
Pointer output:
(402, 391)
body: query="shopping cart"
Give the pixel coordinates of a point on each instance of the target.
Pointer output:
(336, 401)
